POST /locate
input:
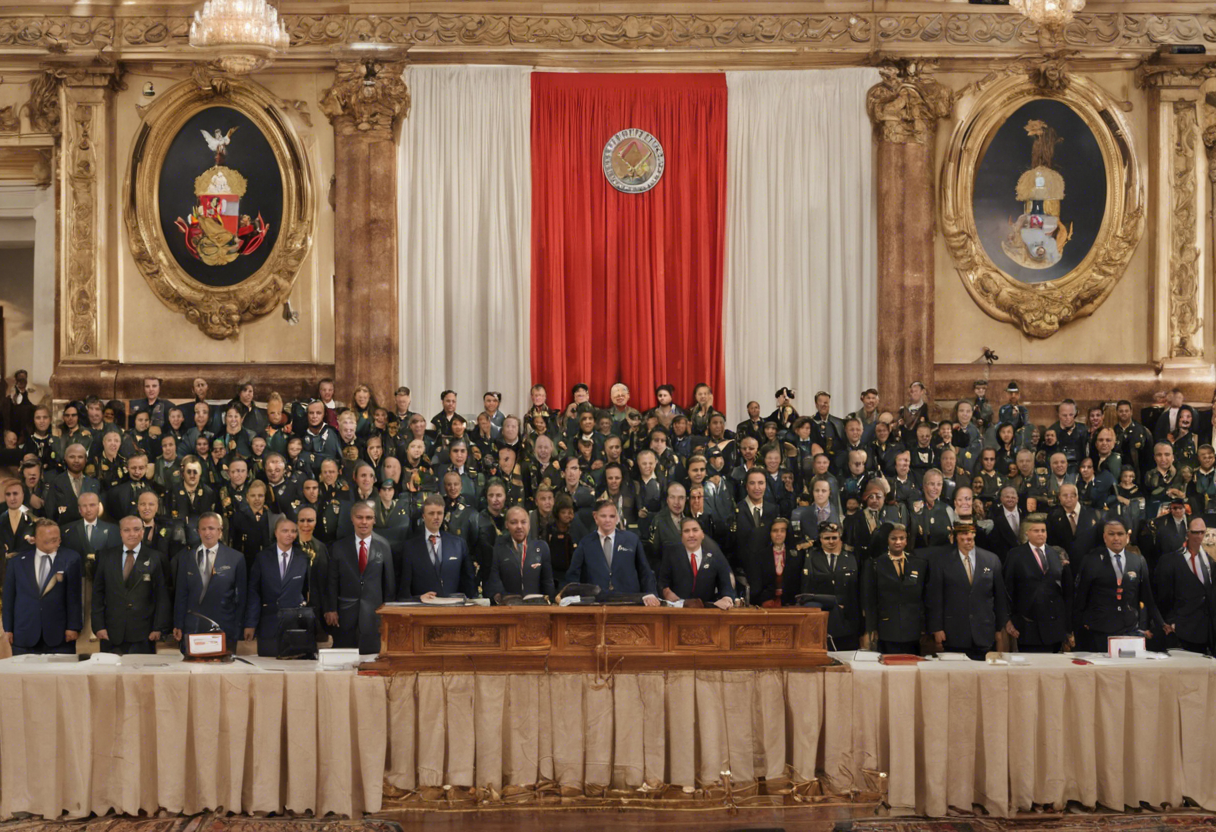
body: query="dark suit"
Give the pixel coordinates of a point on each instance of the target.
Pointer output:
(132, 608)
(510, 574)
(269, 593)
(61, 499)
(248, 534)
(456, 573)
(1040, 598)
(629, 574)
(748, 536)
(1161, 536)
(970, 612)
(1184, 601)
(356, 596)
(844, 582)
(711, 582)
(895, 606)
(1003, 537)
(1097, 610)
(14, 541)
(1087, 536)
(224, 600)
(762, 575)
(122, 500)
(75, 538)
(39, 616)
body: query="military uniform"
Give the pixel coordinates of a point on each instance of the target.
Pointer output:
(189, 505)
(839, 576)
(1033, 485)
(158, 411)
(930, 525)
(123, 501)
(1157, 487)
(44, 447)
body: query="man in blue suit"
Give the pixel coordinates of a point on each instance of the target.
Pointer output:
(436, 563)
(43, 601)
(43, 609)
(612, 559)
(211, 581)
(278, 581)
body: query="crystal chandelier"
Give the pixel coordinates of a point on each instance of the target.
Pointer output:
(1052, 15)
(242, 35)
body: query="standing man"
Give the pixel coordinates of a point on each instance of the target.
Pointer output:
(1112, 583)
(211, 581)
(67, 486)
(277, 581)
(519, 566)
(830, 570)
(436, 563)
(131, 606)
(42, 595)
(360, 580)
(967, 604)
(1182, 583)
(692, 570)
(612, 559)
(152, 404)
(1039, 580)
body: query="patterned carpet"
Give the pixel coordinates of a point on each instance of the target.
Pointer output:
(202, 823)
(1070, 823)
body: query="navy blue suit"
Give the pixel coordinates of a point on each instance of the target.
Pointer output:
(224, 601)
(38, 617)
(630, 574)
(456, 573)
(268, 593)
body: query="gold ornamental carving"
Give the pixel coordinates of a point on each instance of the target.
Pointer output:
(906, 104)
(367, 97)
(43, 104)
(1184, 249)
(218, 311)
(80, 224)
(1040, 309)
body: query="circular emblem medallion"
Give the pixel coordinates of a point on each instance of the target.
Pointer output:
(633, 161)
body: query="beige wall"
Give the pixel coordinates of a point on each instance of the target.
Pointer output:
(1119, 332)
(147, 331)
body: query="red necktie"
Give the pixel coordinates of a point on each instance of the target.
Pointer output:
(362, 556)
(692, 559)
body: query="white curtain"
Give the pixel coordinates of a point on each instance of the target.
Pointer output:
(801, 267)
(465, 236)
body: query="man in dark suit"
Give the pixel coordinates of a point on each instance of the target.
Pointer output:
(1164, 534)
(753, 517)
(277, 581)
(665, 526)
(361, 578)
(1039, 581)
(1182, 584)
(42, 595)
(123, 499)
(131, 606)
(966, 600)
(829, 570)
(67, 486)
(1112, 583)
(152, 404)
(436, 563)
(1007, 519)
(1073, 527)
(90, 534)
(519, 566)
(211, 582)
(692, 569)
(612, 559)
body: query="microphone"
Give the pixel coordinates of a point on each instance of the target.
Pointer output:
(215, 627)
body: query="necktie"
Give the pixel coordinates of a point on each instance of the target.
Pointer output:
(607, 543)
(756, 514)
(44, 569)
(128, 564)
(76, 485)
(523, 557)
(967, 564)
(435, 550)
(362, 556)
(1119, 566)
(283, 566)
(899, 565)
(1072, 519)
(871, 519)
(1039, 557)
(204, 559)
(831, 563)
(692, 560)
(88, 532)
(1195, 567)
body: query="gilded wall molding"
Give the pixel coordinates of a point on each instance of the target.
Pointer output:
(906, 104)
(368, 97)
(1039, 309)
(1184, 318)
(43, 104)
(860, 31)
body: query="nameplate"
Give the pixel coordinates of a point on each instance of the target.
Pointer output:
(206, 645)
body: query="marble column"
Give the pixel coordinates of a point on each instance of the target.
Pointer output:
(86, 101)
(365, 106)
(905, 108)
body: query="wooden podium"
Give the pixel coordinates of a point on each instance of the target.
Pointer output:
(599, 638)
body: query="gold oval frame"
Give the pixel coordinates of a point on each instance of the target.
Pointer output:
(218, 311)
(1039, 309)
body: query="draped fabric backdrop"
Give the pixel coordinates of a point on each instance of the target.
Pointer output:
(464, 236)
(627, 287)
(801, 265)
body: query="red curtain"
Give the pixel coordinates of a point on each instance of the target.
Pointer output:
(627, 287)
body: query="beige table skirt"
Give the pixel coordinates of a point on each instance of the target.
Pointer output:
(233, 738)
(958, 734)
